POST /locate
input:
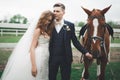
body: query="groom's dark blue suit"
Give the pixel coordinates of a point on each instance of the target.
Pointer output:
(61, 51)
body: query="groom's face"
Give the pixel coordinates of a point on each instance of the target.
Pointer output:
(58, 12)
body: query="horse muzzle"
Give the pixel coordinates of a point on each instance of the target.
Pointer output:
(96, 54)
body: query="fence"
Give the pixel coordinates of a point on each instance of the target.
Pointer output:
(17, 29)
(116, 32)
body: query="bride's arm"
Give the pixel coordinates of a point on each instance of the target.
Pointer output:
(32, 51)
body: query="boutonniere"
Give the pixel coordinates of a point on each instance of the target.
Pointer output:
(66, 27)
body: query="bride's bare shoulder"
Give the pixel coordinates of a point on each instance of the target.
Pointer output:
(37, 30)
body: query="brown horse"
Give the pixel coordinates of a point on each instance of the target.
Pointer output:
(96, 39)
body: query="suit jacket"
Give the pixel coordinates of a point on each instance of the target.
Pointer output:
(69, 35)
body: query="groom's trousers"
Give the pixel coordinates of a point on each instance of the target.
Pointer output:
(59, 64)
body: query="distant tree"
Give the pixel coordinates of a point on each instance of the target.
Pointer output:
(80, 24)
(113, 24)
(13, 19)
(18, 19)
(0, 21)
(25, 21)
(5, 21)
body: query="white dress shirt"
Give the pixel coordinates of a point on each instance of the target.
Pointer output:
(59, 26)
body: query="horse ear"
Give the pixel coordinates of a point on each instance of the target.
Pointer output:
(87, 11)
(105, 9)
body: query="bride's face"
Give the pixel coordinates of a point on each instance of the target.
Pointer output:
(48, 20)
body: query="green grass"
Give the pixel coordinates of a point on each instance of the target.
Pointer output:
(76, 72)
(113, 66)
(14, 39)
(116, 40)
(9, 39)
(4, 54)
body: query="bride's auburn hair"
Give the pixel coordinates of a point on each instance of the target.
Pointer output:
(43, 20)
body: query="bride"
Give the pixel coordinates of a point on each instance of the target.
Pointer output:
(29, 59)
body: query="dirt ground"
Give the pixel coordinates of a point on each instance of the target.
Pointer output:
(114, 56)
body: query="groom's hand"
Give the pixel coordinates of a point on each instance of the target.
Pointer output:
(88, 55)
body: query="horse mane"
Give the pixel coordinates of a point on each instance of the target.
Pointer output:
(82, 30)
(109, 28)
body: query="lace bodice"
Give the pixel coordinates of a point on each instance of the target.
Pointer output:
(43, 39)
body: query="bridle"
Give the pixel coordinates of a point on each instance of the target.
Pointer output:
(97, 37)
(100, 38)
(98, 17)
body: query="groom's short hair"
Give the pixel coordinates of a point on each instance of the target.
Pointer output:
(59, 5)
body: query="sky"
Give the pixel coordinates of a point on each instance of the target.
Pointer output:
(74, 12)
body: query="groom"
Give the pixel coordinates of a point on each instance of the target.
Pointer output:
(60, 45)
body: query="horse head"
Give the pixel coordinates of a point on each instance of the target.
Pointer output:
(96, 28)
(96, 13)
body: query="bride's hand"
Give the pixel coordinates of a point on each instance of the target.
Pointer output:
(34, 71)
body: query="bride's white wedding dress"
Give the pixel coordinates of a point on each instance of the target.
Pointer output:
(19, 64)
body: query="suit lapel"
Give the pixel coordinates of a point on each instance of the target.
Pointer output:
(65, 32)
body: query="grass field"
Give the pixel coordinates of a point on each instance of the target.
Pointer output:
(112, 72)
(14, 39)
(112, 69)
(9, 39)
